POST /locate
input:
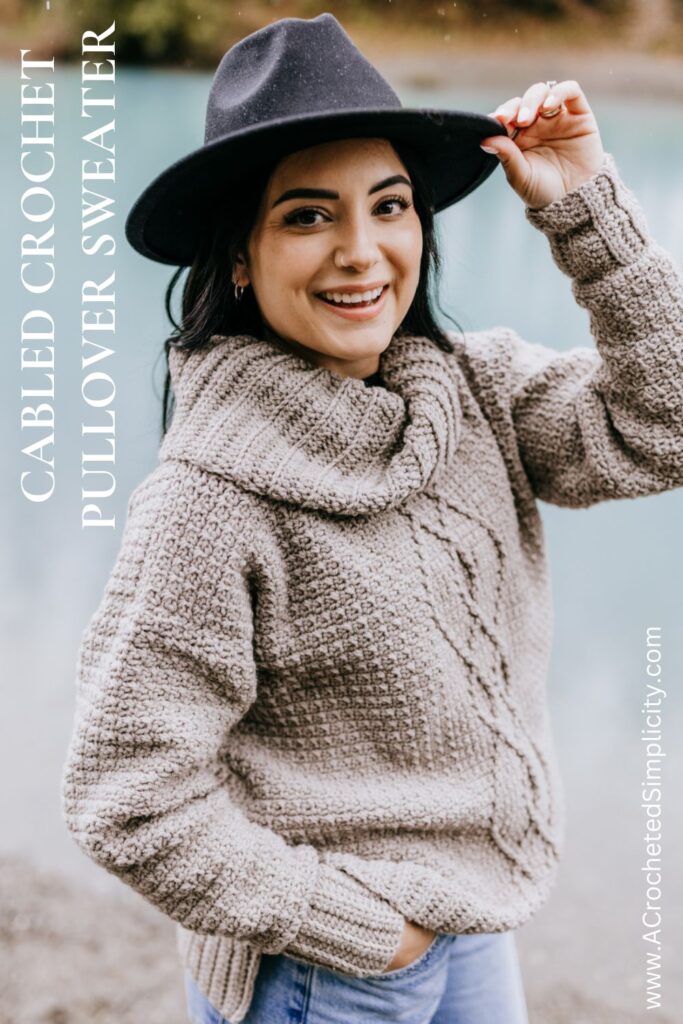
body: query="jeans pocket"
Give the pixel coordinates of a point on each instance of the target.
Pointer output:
(415, 966)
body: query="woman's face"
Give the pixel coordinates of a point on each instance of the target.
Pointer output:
(336, 218)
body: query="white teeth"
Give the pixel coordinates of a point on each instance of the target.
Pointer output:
(354, 297)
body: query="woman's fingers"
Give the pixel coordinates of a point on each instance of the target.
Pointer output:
(572, 95)
(531, 100)
(523, 110)
(505, 113)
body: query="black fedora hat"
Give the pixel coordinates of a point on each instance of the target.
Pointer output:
(297, 83)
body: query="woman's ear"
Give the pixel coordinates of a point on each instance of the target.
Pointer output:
(240, 275)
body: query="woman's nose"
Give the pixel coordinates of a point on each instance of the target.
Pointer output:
(357, 248)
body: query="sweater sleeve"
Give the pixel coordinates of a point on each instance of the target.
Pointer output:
(165, 671)
(592, 424)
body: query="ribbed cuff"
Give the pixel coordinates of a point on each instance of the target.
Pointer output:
(347, 928)
(596, 227)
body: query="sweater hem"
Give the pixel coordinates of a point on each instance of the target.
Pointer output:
(224, 968)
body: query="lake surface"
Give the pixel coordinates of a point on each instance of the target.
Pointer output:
(616, 568)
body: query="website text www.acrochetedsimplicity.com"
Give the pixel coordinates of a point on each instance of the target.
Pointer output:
(652, 800)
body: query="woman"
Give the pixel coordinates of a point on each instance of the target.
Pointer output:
(312, 725)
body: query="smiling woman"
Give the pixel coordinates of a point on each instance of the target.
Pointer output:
(297, 267)
(312, 724)
(364, 234)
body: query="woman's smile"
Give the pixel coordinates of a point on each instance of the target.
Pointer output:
(348, 304)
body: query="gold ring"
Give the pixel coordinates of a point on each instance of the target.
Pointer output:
(555, 111)
(551, 113)
(544, 113)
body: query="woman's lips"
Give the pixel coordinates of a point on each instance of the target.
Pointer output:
(359, 312)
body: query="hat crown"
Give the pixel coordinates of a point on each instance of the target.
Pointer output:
(292, 67)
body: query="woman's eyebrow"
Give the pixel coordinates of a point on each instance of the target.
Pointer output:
(324, 193)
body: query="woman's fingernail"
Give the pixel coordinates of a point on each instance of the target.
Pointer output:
(523, 115)
(550, 101)
(489, 149)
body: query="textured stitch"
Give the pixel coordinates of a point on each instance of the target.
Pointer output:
(311, 702)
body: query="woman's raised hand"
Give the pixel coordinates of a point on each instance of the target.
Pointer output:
(549, 156)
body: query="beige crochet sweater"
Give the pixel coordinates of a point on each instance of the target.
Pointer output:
(312, 701)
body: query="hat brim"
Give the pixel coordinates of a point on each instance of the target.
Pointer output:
(167, 220)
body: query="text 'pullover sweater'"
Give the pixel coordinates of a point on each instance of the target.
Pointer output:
(312, 701)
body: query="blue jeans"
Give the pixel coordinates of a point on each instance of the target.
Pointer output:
(463, 979)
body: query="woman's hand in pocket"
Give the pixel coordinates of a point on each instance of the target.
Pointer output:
(414, 941)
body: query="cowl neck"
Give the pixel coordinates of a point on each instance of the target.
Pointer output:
(277, 425)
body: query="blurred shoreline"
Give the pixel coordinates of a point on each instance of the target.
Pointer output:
(604, 72)
(607, 74)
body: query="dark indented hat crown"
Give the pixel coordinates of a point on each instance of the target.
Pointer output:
(292, 68)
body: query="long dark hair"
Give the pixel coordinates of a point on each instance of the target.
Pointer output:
(209, 305)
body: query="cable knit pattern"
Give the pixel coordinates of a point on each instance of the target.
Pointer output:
(311, 702)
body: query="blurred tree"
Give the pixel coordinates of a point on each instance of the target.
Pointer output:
(196, 33)
(186, 32)
(653, 21)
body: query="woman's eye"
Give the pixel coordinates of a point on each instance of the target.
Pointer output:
(399, 200)
(304, 216)
(294, 218)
